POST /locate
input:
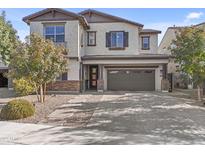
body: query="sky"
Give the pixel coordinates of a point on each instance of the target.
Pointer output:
(152, 18)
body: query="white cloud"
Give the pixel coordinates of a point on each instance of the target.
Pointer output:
(194, 15)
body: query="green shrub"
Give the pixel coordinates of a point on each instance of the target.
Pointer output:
(17, 109)
(23, 87)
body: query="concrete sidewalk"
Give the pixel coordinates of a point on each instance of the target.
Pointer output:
(19, 133)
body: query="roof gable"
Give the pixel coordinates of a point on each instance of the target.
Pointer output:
(93, 16)
(54, 14)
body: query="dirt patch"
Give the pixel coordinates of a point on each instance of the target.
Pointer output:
(75, 114)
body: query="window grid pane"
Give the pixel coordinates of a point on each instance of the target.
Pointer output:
(113, 40)
(91, 38)
(55, 33)
(145, 42)
(117, 39)
(60, 38)
(50, 30)
(59, 30)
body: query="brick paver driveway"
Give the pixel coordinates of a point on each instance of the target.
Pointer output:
(130, 118)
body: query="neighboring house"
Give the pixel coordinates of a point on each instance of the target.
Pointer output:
(163, 48)
(167, 39)
(169, 36)
(105, 52)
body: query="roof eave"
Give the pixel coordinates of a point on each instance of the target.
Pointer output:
(151, 32)
(112, 16)
(126, 57)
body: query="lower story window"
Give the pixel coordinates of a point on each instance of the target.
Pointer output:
(63, 76)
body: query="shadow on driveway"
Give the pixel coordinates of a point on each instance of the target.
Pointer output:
(132, 118)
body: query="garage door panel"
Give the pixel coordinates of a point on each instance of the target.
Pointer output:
(134, 80)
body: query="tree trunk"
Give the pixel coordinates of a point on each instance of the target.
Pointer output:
(199, 92)
(37, 95)
(36, 90)
(44, 92)
(41, 93)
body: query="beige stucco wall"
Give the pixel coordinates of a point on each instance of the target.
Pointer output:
(102, 28)
(73, 70)
(158, 78)
(71, 34)
(169, 36)
(153, 44)
(82, 35)
(72, 37)
(166, 41)
(36, 27)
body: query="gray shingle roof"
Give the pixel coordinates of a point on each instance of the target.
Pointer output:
(150, 31)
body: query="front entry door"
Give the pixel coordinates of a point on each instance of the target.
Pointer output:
(93, 77)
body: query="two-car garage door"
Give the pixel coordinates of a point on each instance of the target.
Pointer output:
(133, 80)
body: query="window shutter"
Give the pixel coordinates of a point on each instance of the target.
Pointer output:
(65, 76)
(108, 40)
(126, 38)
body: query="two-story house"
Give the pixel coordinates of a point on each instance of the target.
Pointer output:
(105, 52)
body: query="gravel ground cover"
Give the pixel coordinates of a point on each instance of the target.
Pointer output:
(42, 110)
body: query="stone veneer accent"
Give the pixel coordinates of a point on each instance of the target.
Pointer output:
(65, 85)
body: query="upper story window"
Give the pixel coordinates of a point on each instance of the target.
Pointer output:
(91, 39)
(117, 40)
(56, 33)
(145, 42)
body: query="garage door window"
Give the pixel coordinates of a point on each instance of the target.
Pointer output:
(113, 72)
(149, 71)
(137, 71)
